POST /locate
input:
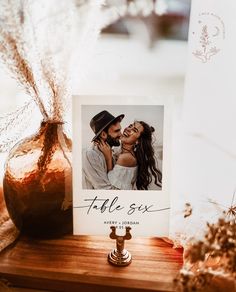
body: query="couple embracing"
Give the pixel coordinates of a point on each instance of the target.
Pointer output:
(117, 159)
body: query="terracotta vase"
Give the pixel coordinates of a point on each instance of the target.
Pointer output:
(37, 183)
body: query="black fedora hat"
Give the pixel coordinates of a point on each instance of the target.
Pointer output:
(102, 120)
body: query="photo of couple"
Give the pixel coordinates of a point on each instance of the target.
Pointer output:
(121, 151)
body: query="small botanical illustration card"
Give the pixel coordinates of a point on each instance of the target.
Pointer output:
(207, 149)
(121, 164)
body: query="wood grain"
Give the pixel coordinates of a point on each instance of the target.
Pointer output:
(79, 263)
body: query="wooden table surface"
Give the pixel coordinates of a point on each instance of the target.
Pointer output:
(79, 263)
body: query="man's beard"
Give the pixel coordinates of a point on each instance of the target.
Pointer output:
(112, 142)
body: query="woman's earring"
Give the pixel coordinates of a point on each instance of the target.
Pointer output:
(135, 147)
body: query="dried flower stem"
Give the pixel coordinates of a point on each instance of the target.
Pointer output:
(20, 69)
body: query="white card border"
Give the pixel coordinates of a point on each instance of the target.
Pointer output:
(86, 225)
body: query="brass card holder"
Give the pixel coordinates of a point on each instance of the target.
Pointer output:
(120, 256)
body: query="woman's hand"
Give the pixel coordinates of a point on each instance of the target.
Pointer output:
(105, 148)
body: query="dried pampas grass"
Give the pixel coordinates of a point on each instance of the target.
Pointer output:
(39, 41)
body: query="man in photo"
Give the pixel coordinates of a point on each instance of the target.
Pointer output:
(107, 129)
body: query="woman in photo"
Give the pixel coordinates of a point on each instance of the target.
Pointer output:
(135, 166)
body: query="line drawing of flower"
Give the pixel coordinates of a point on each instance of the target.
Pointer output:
(206, 51)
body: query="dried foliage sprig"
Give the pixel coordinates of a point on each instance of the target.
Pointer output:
(214, 256)
(220, 241)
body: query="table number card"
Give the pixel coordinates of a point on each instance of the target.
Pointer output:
(104, 198)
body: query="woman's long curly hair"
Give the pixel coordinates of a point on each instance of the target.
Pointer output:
(144, 152)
